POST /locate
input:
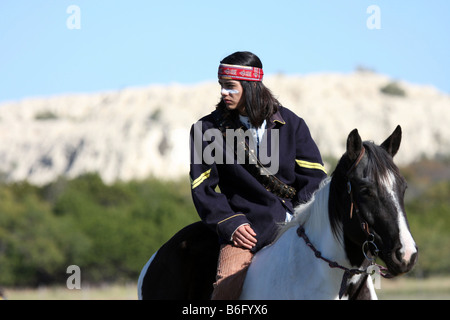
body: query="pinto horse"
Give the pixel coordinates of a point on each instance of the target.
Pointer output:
(325, 252)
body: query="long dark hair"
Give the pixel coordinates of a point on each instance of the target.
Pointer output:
(260, 104)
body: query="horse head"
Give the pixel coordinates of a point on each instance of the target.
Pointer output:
(367, 202)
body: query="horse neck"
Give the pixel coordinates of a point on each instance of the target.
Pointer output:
(315, 219)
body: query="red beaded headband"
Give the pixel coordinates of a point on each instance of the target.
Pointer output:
(228, 71)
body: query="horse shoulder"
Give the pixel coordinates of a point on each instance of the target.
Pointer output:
(274, 268)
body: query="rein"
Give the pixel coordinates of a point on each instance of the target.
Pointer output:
(332, 264)
(348, 273)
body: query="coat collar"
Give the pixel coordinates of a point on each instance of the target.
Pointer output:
(274, 119)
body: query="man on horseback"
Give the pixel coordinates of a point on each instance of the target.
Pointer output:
(252, 201)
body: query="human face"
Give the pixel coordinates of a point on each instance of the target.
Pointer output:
(231, 91)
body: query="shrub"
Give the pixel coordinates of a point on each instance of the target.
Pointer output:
(108, 231)
(429, 219)
(393, 89)
(45, 115)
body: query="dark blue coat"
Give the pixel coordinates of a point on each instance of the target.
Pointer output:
(243, 199)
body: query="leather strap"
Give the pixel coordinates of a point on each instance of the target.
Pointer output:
(253, 165)
(349, 185)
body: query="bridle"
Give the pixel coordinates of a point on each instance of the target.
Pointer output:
(364, 225)
(349, 185)
(348, 273)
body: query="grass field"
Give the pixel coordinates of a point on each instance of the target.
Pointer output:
(404, 288)
(103, 292)
(436, 288)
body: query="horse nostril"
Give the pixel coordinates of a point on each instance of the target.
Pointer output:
(399, 255)
(413, 259)
(408, 258)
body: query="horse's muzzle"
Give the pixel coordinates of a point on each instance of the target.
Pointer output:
(399, 261)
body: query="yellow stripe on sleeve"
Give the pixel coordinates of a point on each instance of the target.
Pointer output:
(205, 175)
(236, 215)
(311, 165)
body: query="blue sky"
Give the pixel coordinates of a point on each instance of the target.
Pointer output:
(137, 43)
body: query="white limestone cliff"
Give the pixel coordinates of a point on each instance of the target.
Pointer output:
(139, 132)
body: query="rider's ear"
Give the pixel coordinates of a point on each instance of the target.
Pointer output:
(392, 144)
(354, 145)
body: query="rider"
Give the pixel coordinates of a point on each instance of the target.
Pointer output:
(248, 209)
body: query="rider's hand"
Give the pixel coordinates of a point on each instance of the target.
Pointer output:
(244, 237)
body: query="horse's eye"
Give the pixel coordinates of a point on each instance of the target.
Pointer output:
(367, 192)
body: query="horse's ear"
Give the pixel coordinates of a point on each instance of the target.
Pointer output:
(354, 145)
(392, 144)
